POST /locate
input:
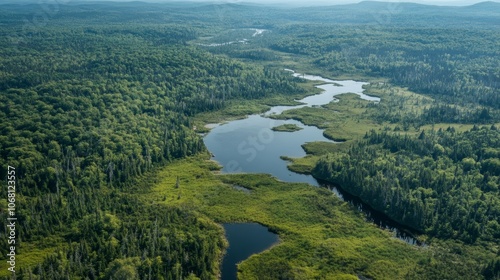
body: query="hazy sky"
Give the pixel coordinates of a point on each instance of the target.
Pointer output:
(288, 2)
(338, 2)
(292, 2)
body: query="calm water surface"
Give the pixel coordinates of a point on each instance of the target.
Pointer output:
(245, 239)
(249, 145)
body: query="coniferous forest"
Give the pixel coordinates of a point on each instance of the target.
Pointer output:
(100, 101)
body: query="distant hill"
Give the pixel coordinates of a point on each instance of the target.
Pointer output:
(484, 14)
(485, 6)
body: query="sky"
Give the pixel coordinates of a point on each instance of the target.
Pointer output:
(339, 2)
(288, 2)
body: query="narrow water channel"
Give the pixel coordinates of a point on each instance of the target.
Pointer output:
(251, 146)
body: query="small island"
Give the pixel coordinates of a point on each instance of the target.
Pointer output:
(287, 128)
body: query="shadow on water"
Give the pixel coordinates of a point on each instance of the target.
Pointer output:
(245, 239)
(380, 219)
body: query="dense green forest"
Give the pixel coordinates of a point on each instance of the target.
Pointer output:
(98, 98)
(444, 182)
(86, 110)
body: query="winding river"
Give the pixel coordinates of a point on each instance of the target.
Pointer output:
(242, 41)
(251, 146)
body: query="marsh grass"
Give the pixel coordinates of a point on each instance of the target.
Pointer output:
(287, 128)
(320, 236)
